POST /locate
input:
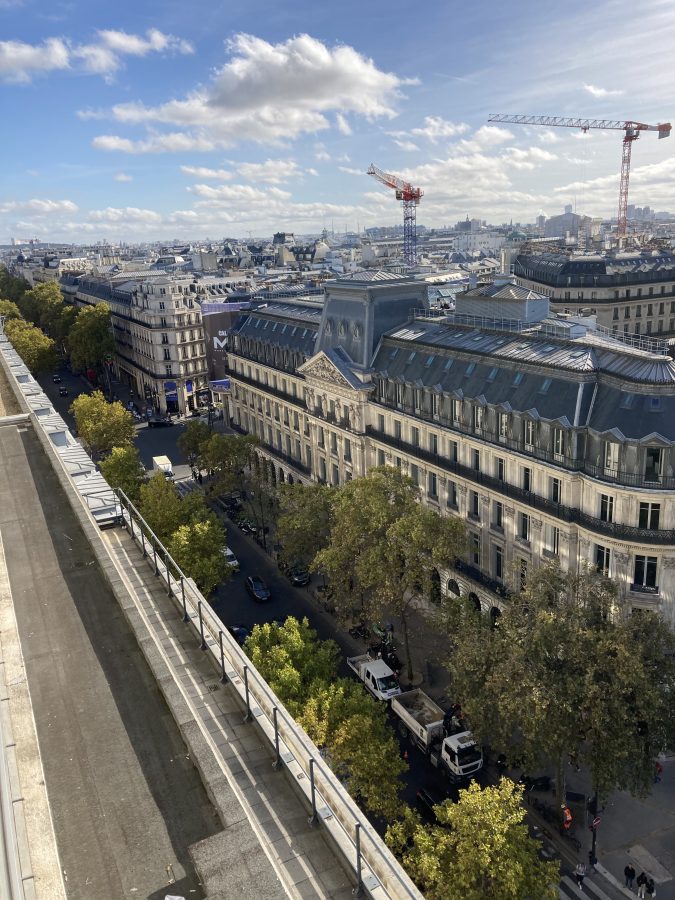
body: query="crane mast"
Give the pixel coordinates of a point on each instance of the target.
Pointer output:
(410, 198)
(631, 132)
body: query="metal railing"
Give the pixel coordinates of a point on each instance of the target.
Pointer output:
(375, 868)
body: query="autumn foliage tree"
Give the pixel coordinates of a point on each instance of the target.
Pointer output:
(102, 425)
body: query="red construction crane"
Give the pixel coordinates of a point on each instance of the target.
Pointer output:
(631, 132)
(410, 198)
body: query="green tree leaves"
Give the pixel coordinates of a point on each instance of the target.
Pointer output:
(123, 469)
(197, 549)
(102, 425)
(90, 337)
(34, 347)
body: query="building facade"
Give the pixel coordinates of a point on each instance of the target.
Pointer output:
(631, 293)
(548, 438)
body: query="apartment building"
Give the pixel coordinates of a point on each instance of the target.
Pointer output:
(629, 293)
(547, 437)
(159, 335)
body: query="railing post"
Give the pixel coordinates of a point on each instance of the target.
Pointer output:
(154, 556)
(202, 645)
(312, 818)
(358, 890)
(186, 617)
(145, 552)
(277, 761)
(248, 717)
(223, 676)
(168, 573)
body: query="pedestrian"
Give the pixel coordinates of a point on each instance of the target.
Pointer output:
(580, 874)
(658, 771)
(651, 888)
(629, 872)
(200, 478)
(641, 885)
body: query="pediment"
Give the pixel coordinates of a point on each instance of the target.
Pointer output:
(323, 369)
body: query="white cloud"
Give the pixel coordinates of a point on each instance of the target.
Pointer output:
(272, 171)
(350, 171)
(19, 61)
(548, 137)
(408, 146)
(270, 93)
(343, 125)
(130, 214)
(600, 92)
(173, 142)
(204, 172)
(38, 207)
(320, 153)
(435, 128)
(238, 192)
(313, 172)
(122, 176)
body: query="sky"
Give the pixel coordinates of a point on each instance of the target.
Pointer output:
(163, 120)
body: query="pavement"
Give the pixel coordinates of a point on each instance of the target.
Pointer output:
(125, 801)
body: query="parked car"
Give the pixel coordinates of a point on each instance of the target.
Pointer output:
(239, 633)
(230, 559)
(63, 391)
(159, 422)
(299, 576)
(257, 588)
(56, 379)
(427, 798)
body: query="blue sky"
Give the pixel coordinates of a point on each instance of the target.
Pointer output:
(162, 120)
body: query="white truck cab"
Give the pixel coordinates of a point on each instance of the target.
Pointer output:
(378, 678)
(461, 756)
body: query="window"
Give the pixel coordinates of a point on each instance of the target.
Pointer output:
(477, 418)
(503, 426)
(649, 516)
(415, 474)
(475, 460)
(432, 485)
(498, 557)
(527, 478)
(650, 311)
(380, 457)
(320, 437)
(602, 559)
(296, 421)
(606, 508)
(615, 314)
(453, 451)
(501, 468)
(322, 469)
(452, 495)
(626, 312)
(165, 338)
(553, 540)
(474, 507)
(653, 464)
(517, 379)
(397, 429)
(347, 450)
(497, 514)
(435, 405)
(554, 484)
(380, 423)
(167, 353)
(644, 577)
(398, 392)
(528, 432)
(558, 443)
(638, 312)
(333, 442)
(415, 436)
(474, 549)
(455, 411)
(611, 458)
(524, 527)
(433, 443)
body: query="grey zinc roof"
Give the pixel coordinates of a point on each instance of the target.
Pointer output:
(274, 325)
(509, 291)
(371, 275)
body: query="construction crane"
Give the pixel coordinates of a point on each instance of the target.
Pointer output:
(410, 198)
(631, 132)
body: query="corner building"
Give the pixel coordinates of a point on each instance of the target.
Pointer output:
(548, 437)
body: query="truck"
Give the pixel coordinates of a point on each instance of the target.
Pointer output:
(162, 464)
(376, 675)
(446, 741)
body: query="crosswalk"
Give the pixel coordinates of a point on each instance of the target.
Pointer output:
(568, 888)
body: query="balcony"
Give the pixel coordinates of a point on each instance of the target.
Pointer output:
(486, 581)
(564, 513)
(277, 454)
(268, 389)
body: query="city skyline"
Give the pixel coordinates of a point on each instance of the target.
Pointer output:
(142, 124)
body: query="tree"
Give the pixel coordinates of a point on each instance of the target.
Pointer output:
(197, 549)
(228, 456)
(12, 288)
(34, 347)
(303, 525)
(193, 441)
(384, 546)
(160, 506)
(90, 338)
(40, 302)
(58, 322)
(292, 661)
(9, 310)
(102, 425)
(480, 848)
(564, 675)
(123, 469)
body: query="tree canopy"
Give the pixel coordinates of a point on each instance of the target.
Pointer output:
(193, 441)
(11, 288)
(90, 338)
(123, 469)
(9, 310)
(102, 425)
(160, 506)
(303, 524)
(197, 548)
(479, 848)
(34, 347)
(565, 675)
(41, 302)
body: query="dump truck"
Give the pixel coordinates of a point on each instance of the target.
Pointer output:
(447, 742)
(378, 678)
